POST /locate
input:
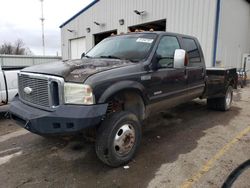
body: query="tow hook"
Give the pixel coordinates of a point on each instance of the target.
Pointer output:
(27, 126)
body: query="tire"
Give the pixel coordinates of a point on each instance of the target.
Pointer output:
(245, 80)
(242, 84)
(223, 103)
(119, 129)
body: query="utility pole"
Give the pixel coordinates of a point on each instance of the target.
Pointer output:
(42, 22)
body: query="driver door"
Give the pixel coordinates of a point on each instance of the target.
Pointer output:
(168, 83)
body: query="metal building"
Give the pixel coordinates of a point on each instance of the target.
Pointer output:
(25, 60)
(222, 26)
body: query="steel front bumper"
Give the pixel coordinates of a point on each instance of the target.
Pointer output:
(63, 120)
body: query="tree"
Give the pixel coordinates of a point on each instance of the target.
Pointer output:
(6, 48)
(18, 48)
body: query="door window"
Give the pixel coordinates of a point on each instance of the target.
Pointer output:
(166, 50)
(192, 49)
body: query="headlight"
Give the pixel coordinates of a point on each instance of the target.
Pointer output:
(78, 94)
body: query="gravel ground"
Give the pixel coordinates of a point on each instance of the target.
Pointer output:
(188, 146)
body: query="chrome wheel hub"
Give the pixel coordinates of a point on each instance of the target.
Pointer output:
(124, 140)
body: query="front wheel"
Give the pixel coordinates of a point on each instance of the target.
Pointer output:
(223, 103)
(118, 138)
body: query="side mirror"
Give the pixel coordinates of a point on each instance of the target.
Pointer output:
(180, 58)
(83, 54)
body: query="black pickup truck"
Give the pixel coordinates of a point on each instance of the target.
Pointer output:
(115, 86)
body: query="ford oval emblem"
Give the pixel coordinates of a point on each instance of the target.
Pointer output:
(27, 90)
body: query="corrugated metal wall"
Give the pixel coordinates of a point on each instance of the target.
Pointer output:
(192, 17)
(20, 60)
(234, 33)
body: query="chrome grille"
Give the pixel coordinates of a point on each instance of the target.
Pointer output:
(40, 91)
(43, 92)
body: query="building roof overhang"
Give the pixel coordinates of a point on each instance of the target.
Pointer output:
(80, 12)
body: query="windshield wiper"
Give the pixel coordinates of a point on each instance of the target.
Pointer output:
(133, 61)
(115, 57)
(87, 56)
(109, 57)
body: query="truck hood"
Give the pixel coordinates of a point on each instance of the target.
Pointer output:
(77, 70)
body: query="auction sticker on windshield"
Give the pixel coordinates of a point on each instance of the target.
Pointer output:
(145, 40)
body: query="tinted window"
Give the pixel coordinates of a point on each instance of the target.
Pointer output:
(192, 49)
(166, 50)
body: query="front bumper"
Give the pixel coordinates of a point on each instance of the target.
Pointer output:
(66, 119)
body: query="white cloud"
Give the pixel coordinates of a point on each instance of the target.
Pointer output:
(21, 19)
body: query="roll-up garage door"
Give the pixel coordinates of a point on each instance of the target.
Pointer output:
(77, 47)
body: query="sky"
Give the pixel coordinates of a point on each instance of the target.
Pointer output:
(20, 19)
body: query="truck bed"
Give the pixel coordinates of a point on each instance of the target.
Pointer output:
(218, 79)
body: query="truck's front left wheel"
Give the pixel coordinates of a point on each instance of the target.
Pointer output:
(118, 138)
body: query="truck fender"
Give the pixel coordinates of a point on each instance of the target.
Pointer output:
(123, 85)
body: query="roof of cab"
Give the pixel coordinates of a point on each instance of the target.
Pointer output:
(156, 32)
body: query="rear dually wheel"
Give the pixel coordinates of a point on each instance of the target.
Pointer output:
(224, 103)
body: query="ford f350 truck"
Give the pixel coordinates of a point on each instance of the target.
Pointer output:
(115, 86)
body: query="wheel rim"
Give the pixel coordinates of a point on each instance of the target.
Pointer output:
(124, 139)
(228, 99)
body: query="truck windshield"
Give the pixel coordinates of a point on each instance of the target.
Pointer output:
(130, 47)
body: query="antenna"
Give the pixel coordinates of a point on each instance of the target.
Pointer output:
(42, 22)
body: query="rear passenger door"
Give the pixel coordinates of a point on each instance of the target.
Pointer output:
(195, 68)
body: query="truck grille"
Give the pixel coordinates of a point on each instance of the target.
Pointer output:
(40, 91)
